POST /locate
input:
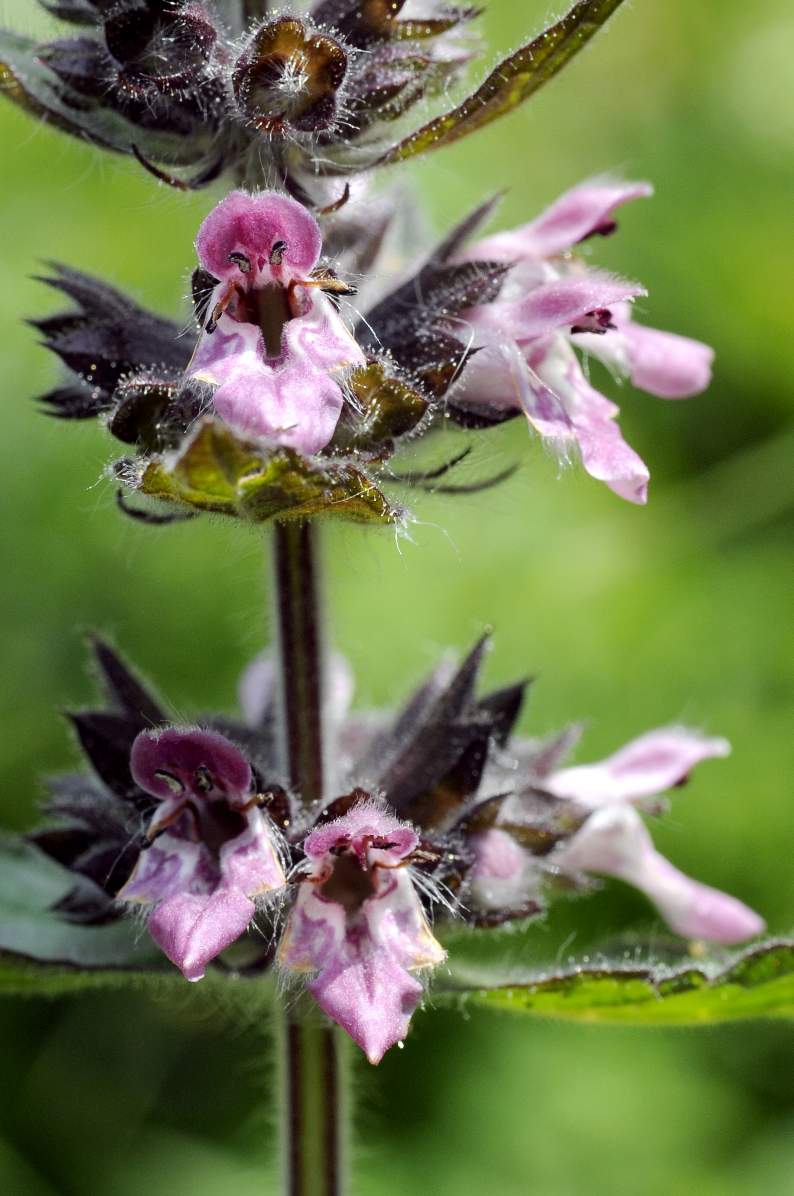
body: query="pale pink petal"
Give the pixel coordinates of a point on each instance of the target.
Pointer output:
(561, 303)
(499, 378)
(604, 453)
(370, 996)
(298, 407)
(397, 921)
(294, 399)
(503, 874)
(256, 688)
(368, 988)
(192, 929)
(607, 457)
(252, 224)
(495, 379)
(359, 983)
(614, 841)
(695, 910)
(250, 861)
(579, 213)
(645, 767)
(665, 364)
(321, 339)
(165, 869)
(213, 851)
(222, 353)
(314, 935)
(366, 818)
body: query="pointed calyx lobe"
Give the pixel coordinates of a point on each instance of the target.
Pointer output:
(183, 84)
(94, 825)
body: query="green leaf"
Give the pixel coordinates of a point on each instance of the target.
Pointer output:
(381, 409)
(30, 885)
(242, 1000)
(214, 471)
(513, 81)
(758, 983)
(23, 978)
(28, 82)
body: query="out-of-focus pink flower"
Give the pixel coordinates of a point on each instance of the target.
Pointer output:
(641, 769)
(257, 689)
(614, 841)
(584, 211)
(358, 923)
(550, 302)
(274, 345)
(504, 875)
(212, 849)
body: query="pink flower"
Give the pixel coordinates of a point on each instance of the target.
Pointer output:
(614, 841)
(358, 923)
(506, 878)
(274, 345)
(642, 768)
(212, 848)
(551, 301)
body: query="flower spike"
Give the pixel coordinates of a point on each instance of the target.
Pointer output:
(469, 821)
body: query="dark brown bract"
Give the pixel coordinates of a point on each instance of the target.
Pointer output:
(287, 79)
(192, 90)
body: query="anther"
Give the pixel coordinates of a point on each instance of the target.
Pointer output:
(203, 779)
(173, 783)
(241, 261)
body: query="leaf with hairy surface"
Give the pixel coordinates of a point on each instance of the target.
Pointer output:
(512, 81)
(31, 885)
(382, 408)
(214, 471)
(27, 81)
(757, 983)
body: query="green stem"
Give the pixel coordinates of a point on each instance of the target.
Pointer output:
(300, 633)
(314, 1107)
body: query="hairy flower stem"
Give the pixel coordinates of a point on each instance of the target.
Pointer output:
(299, 627)
(313, 1102)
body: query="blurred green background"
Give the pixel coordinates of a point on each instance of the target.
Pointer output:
(630, 617)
